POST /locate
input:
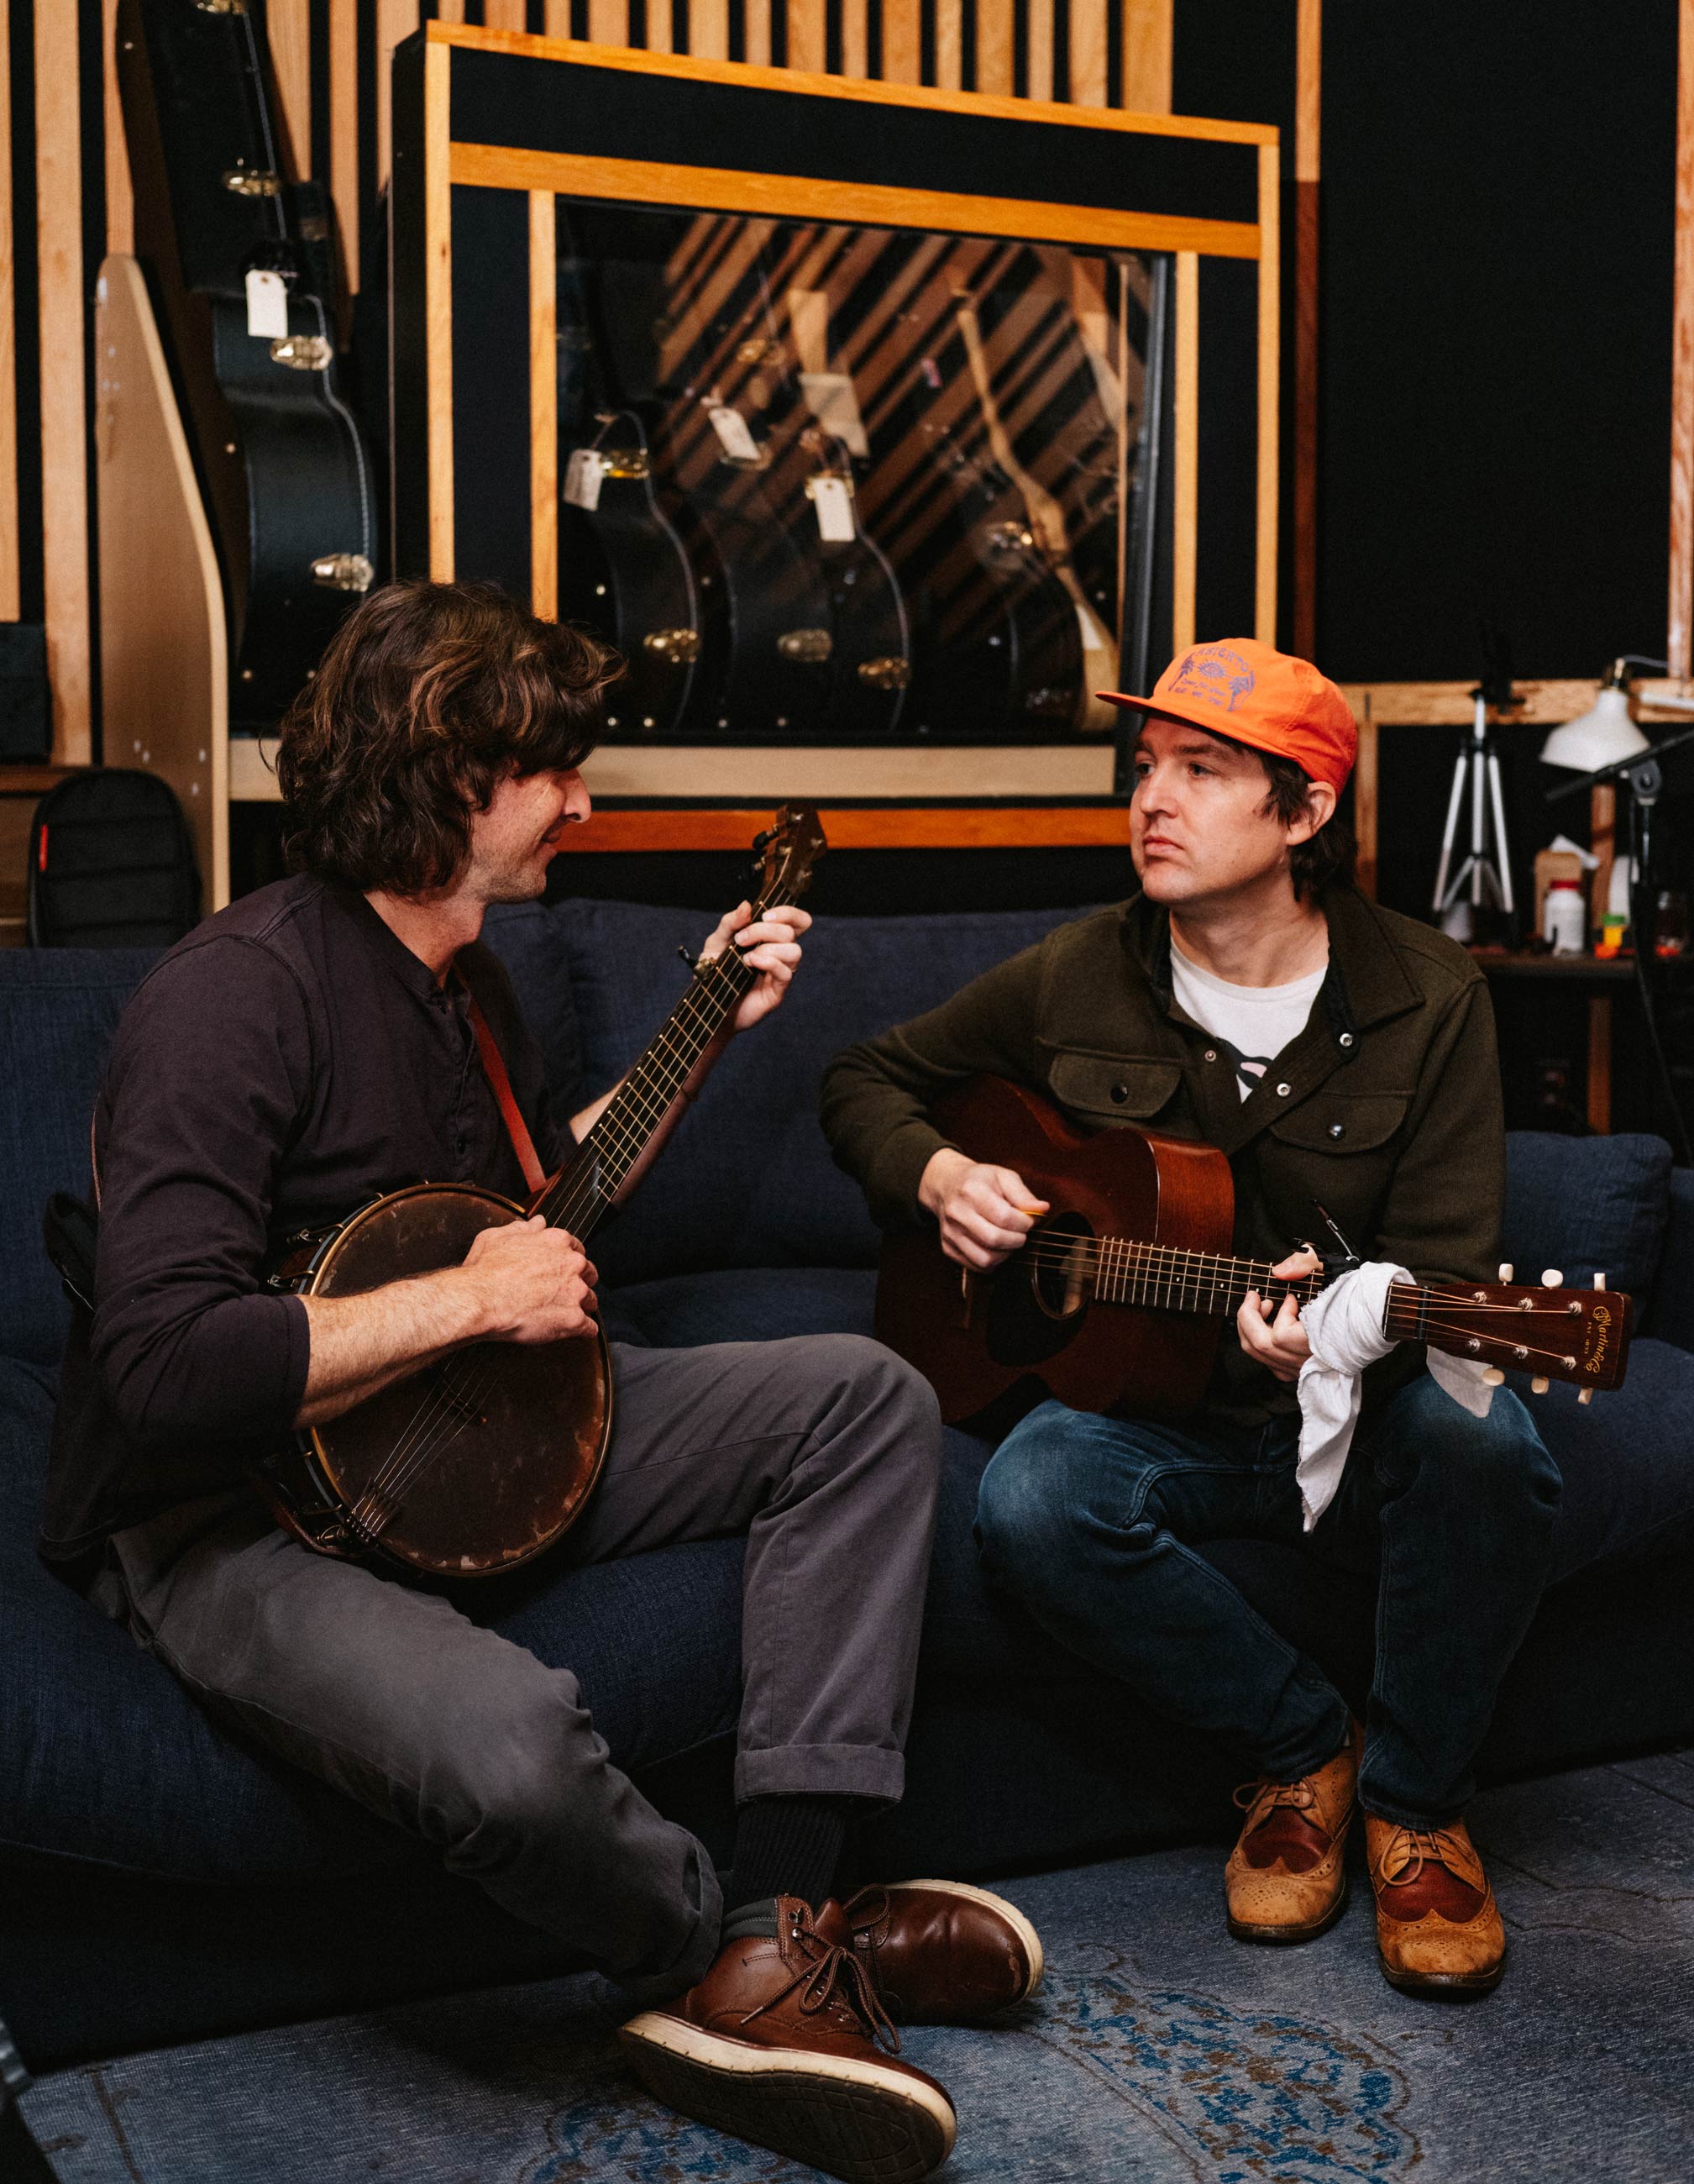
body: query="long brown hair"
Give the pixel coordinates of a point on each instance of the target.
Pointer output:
(428, 696)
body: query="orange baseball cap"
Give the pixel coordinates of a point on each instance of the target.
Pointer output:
(1243, 689)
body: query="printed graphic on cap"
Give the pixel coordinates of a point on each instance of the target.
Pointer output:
(1215, 672)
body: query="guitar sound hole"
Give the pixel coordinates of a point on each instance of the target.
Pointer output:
(1060, 1264)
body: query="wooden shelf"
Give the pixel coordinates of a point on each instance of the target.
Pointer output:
(1022, 825)
(33, 781)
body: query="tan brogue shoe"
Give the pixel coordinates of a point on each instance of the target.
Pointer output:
(940, 1953)
(1286, 1880)
(1438, 1928)
(785, 2043)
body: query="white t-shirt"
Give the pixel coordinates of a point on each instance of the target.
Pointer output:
(1251, 1023)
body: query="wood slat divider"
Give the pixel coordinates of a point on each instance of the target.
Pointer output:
(65, 464)
(120, 207)
(756, 32)
(1308, 161)
(438, 310)
(395, 19)
(543, 405)
(709, 28)
(1185, 496)
(288, 24)
(902, 41)
(996, 33)
(949, 47)
(1270, 393)
(609, 22)
(1147, 31)
(806, 197)
(557, 19)
(1679, 649)
(1090, 66)
(505, 15)
(344, 97)
(10, 574)
(1039, 15)
(906, 827)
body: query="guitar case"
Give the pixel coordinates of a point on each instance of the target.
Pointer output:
(286, 474)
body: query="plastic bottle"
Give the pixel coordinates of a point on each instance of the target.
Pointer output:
(1564, 918)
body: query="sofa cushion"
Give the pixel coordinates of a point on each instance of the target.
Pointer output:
(62, 1006)
(747, 1181)
(1583, 1204)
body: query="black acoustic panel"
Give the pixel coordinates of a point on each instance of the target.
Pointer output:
(25, 714)
(490, 388)
(1225, 579)
(621, 113)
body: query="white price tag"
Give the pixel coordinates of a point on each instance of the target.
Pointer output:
(735, 435)
(583, 474)
(834, 505)
(830, 397)
(267, 305)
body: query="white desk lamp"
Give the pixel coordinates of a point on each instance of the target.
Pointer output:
(1603, 734)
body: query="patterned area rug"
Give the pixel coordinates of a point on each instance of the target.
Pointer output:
(1158, 2050)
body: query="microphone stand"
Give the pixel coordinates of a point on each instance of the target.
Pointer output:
(1644, 776)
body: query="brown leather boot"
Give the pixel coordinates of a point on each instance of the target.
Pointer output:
(1438, 1928)
(940, 1953)
(1285, 1880)
(783, 2043)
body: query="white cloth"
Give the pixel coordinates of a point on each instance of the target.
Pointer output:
(1252, 1023)
(1343, 1325)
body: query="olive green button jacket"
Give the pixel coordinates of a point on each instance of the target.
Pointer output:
(1385, 1110)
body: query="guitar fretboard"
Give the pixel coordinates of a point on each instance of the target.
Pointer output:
(1118, 1270)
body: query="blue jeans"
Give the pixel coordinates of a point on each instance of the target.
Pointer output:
(1092, 1523)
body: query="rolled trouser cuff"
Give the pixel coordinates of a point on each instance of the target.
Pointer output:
(694, 1960)
(820, 1770)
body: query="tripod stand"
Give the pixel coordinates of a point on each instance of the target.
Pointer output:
(1487, 869)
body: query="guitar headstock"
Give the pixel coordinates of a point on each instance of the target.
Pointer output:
(785, 857)
(1549, 1331)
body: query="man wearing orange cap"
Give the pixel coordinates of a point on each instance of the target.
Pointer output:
(1339, 1055)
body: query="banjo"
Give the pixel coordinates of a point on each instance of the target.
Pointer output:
(483, 1460)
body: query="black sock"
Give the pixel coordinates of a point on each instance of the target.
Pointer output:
(787, 1846)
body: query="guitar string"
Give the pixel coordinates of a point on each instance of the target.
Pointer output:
(433, 1426)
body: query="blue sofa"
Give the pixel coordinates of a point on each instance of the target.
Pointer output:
(159, 1882)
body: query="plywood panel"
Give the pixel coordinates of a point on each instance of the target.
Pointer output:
(289, 25)
(64, 469)
(8, 348)
(164, 663)
(1147, 56)
(543, 404)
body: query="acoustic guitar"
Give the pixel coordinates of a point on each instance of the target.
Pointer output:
(483, 1461)
(1118, 1295)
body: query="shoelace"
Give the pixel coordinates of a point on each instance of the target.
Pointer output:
(1260, 1797)
(1428, 1847)
(833, 1971)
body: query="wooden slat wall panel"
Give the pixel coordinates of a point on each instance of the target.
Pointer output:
(10, 584)
(973, 46)
(65, 570)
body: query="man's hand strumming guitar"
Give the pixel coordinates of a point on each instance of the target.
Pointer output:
(534, 1284)
(985, 1212)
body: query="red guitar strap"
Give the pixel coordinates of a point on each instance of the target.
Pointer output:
(494, 1069)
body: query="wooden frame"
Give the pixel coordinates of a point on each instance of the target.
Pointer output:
(431, 163)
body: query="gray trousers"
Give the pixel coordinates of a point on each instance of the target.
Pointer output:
(825, 1450)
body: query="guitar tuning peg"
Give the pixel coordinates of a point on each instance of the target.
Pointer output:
(1506, 1270)
(1585, 1394)
(1493, 1378)
(1540, 1385)
(1551, 1278)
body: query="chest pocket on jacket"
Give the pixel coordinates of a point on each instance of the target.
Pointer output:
(1342, 1123)
(1104, 1088)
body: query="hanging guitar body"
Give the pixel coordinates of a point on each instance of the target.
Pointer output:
(975, 1336)
(476, 1465)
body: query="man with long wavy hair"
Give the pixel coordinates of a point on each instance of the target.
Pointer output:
(430, 769)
